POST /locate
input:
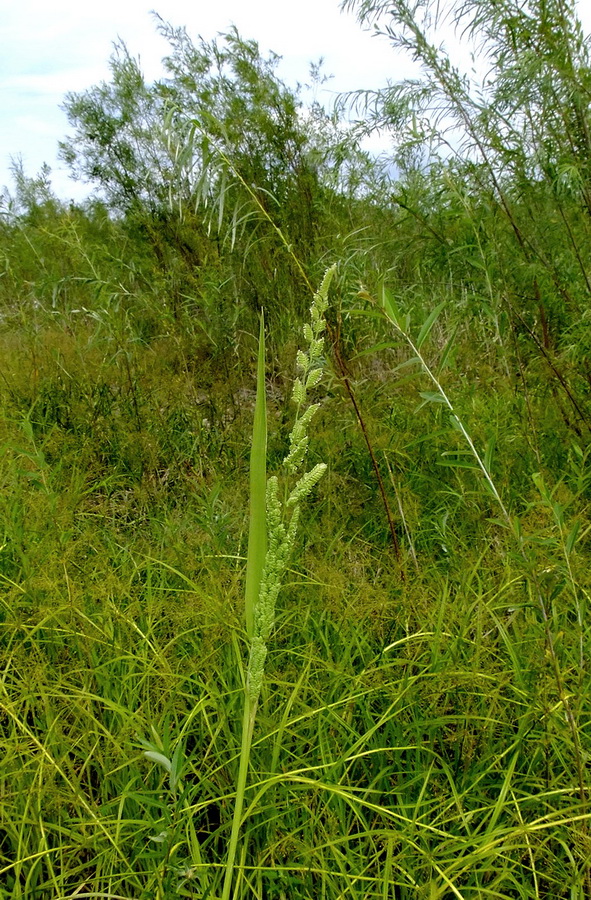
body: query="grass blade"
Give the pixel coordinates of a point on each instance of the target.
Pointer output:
(428, 325)
(257, 534)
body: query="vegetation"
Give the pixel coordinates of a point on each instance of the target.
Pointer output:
(408, 717)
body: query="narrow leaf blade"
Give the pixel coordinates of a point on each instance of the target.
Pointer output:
(158, 758)
(428, 324)
(257, 532)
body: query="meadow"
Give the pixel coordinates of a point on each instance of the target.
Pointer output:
(295, 466)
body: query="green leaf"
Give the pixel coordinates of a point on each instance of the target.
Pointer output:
(488, 455)
(428, 325)
(176, 766)
(430, 436)
(538, 480)
(447, 350)
(572, 538)
(384, 345)
(367, 313)
(432, 397)
(159, 838)
(413, 361)
(454, 458)
(257, 533)
(458, 464)
(500, 522)
(501, 805)
(392, 311)
(159, 758)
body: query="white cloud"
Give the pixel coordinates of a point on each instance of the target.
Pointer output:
(50, 84)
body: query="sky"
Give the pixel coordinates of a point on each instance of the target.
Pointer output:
(50, 48)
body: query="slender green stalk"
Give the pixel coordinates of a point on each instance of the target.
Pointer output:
(257, 549)
(248, 720)
(396, 319)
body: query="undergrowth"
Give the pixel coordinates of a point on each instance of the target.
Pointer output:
(411, 739)
(419, 726)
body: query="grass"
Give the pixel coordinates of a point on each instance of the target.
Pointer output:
(416, 737)
(406, 754)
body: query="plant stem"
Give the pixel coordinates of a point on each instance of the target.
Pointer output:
(248, 720)
(372, 456)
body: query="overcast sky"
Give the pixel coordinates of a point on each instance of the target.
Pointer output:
(49, 48)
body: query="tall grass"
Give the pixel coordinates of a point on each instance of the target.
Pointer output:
(410, 739)
(168, 729)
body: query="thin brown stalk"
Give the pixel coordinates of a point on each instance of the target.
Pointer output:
(549, 361)
(349, 388)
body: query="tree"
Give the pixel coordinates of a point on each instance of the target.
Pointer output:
(217, 159)
(509, 150)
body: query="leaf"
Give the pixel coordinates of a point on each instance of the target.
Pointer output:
(500, 805)
(454, 458)
(433, 397)
(429, 397)
(384, 345)
(369, 313)
(447, 350)
(413, 361)
(488, 454)
(431, 435)
(159, 758)
(572, 538)
(428, 324)
(257, 532)
(538, 480)
(392, 310)
(457, 464)
(176, 766)
(159, 838)
(500, 522)
(456, 453)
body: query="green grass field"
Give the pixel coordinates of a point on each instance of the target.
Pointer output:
(423, 726)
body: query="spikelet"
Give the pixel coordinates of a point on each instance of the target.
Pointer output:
(282, 520)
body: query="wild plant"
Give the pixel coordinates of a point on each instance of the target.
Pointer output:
(518, 139)
(541, 598)
(273, 529)
(275, 508)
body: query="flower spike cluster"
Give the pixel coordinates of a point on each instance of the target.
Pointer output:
(309, 364)
(282, 533)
